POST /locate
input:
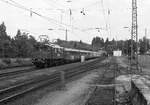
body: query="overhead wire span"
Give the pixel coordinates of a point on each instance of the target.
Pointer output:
(33, 12)
(17, 5)
(107, 22)
(38, 14)
(52, 4)
(103, 11)
(31, 33)
(57, 3)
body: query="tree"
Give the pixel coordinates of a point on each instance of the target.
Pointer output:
(80, 41)
(107, 41)
(5, 41)
(144, 45)
(75, 45)
(3, 34)
(98, 42)
(127, 47)
(108, 46)
(24, 44)
(21, 45)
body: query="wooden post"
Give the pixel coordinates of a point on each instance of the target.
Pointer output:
(62, 74)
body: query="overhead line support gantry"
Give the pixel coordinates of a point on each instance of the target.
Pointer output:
(134, 35)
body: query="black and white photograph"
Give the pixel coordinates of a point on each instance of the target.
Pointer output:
(74, 52)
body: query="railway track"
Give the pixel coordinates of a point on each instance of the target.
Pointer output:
(103, 95)
(9, 73)
(6, 73)
(12, 92)
(103, 92)
(14, 67)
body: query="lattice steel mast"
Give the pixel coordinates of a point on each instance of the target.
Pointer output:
(134, 34)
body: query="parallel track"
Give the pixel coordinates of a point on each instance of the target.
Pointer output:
(9, 93)
(16, 67)
(107, 95)
(100, 95)
(8, 73)
(5, 74)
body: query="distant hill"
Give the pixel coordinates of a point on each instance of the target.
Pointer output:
(74, 44)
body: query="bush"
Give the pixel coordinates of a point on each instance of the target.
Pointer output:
(3, 65)
(19, 61)
(7, 61)
(23, 61)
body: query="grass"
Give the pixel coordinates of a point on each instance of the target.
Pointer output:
(144, 61)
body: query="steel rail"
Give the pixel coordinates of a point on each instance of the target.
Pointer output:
(13, 91)
(10, 73)
(19, 66)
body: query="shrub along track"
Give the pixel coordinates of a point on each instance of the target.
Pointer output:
(12, 92)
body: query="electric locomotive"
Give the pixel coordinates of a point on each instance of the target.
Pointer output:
(52, 55)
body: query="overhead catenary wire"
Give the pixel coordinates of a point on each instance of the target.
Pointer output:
(107, 22)
(54, 3)
(72, 32)
(28, 31)
(103, 11)
(15, 4)
(18, 5)
(40, 15)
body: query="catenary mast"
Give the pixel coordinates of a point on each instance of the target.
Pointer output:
(134, 34)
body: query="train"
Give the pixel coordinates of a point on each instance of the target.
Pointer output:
(49, 55)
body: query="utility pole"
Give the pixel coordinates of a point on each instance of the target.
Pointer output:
(134, 34)
(66, 37)
(146, 39)
(66, 32)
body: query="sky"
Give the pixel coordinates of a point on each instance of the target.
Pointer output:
(109, 15)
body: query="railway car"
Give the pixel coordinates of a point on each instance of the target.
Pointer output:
(49, 55)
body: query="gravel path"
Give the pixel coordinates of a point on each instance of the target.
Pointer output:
(74, 94)
(120, 61)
